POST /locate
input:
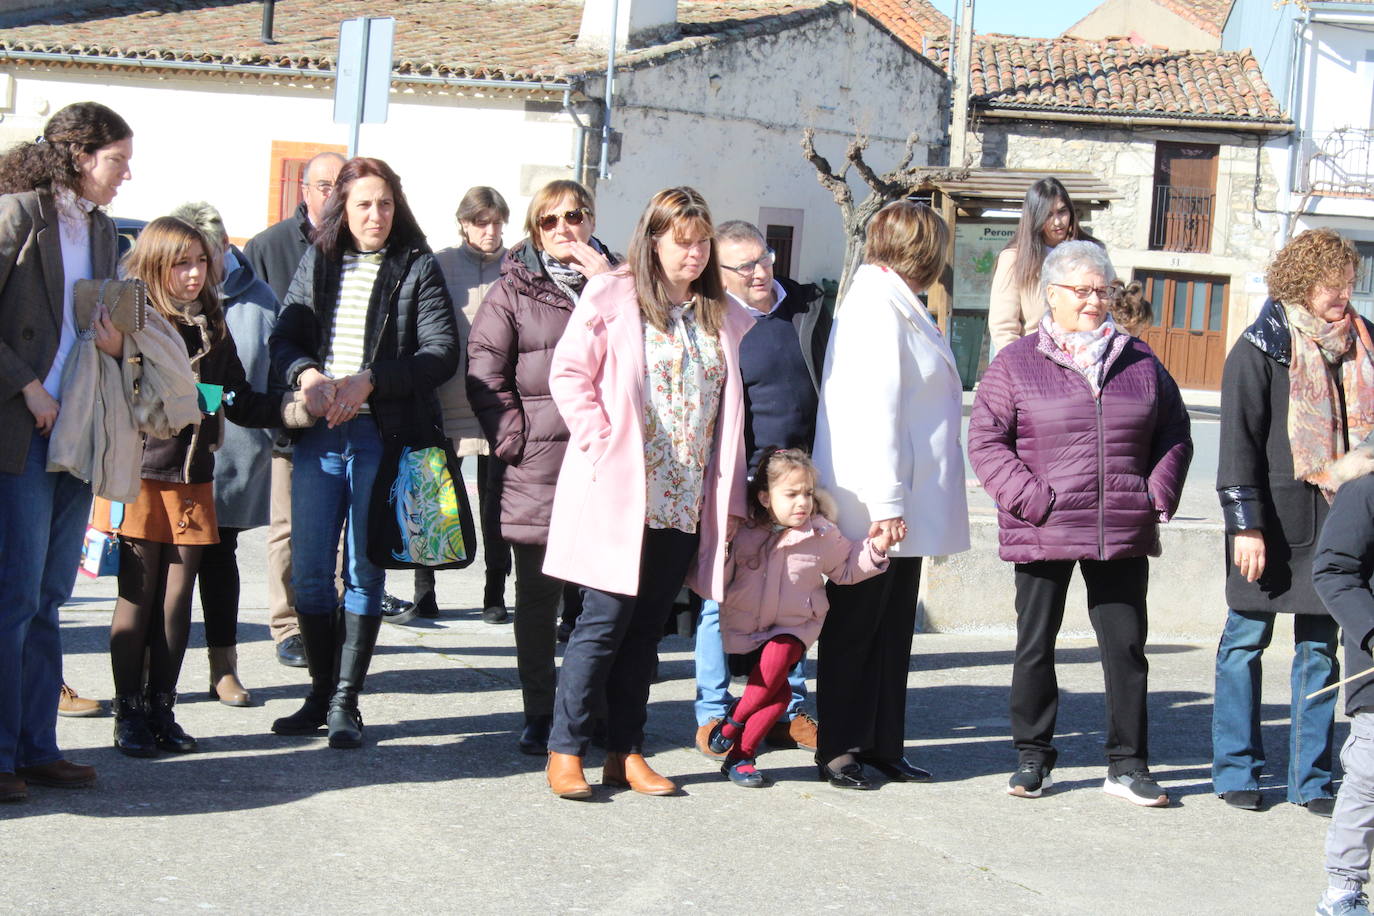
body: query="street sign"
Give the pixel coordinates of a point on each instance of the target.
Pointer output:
(362, 85)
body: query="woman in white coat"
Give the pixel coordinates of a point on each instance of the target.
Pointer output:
(887, 446)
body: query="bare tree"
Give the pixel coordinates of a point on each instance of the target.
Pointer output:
(899, 182)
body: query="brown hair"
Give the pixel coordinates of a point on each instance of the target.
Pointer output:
(680, 211)
(1132, 311)
(773, 464)
(479, 200)
(83, 127)
(1029, 238)
(548, 195)
(332, 235)
(159, 245)
(1317, 257)
(909, 238)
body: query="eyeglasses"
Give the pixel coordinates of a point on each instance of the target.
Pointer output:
(572, 218)
(1104, 293)
(324, 187)
(747, 268)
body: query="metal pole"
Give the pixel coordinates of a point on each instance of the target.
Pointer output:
(362, 95)
(605, 170)
(268, 8)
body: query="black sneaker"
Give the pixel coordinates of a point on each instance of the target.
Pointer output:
(1030, 779)
(1138, 787)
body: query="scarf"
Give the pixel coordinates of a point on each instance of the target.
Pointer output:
(73, 216)
(566, 278)
(1320, 350)
(1085, 349)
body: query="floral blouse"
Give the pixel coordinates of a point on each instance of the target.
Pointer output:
(685, 373)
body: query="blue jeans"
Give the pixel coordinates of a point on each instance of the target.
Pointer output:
(331, 487)
(42, 521)
(1237, 745)
(713, 674)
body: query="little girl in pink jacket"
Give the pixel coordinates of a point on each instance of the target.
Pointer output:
(775, 598)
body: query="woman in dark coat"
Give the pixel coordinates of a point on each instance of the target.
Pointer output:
(367, 334)
(1081, 437)
(1297, 391)
(509, 353)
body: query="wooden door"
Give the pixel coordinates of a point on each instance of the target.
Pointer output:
(1189, 329)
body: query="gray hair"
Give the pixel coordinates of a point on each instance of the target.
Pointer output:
(1069, 257)
(328, 155)
(207, 221)
(738, 230)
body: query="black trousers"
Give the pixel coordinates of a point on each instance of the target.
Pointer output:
(496, 552)
(612, 651)
(1116, 607)
(862, 663)
(536, 614)
(219, 589)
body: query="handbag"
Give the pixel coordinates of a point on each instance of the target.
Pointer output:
(418, 514)
(126, 301)
(100, 551)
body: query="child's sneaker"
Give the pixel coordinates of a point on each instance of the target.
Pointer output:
(742, 772)
(1138, 787)
(1029, 780)
(1354, 903)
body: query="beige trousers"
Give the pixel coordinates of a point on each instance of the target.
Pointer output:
(281, 599)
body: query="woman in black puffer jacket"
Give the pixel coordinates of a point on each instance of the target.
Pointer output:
(367, 334)
(509, 354)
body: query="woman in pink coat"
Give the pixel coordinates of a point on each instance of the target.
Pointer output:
(647, 379)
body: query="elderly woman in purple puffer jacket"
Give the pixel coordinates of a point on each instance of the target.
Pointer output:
(1080, 435)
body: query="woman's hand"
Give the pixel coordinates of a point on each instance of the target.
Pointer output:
(108, 338)
(892, 530)
(586, 260)
(42, 405)
(1247, 547)
(350, 393)
(318, 389)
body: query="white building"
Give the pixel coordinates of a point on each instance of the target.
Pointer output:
(507, 93)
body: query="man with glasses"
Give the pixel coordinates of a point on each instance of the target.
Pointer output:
(780, 363)
(273, 254)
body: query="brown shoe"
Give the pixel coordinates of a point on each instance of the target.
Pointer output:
(225, 685)
(564, 772)
(704, 732)
(59, 774)
(633, 771)
(12, 788)
(800, 732)
(69, 704)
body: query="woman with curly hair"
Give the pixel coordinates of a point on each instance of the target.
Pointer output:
(1297, 391)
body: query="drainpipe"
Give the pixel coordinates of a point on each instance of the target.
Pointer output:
(604, 171)
(580, 153)
(1295, 70)
(268, 8)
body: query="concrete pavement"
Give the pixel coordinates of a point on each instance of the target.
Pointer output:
(440, 813)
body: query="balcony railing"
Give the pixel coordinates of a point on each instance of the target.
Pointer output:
(1338, 163)
(1181, 219)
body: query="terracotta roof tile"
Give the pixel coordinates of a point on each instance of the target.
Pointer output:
(1115, 77)
(915, 22)
(1208, 15)
(523, 40)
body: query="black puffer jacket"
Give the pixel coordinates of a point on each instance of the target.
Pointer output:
(510, 351)
(1343, 568)
(410, 341)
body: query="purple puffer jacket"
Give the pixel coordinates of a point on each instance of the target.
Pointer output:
(1077, 477)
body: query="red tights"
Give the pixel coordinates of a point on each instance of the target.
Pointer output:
(766, 697)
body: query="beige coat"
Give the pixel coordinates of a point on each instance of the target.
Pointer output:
(1012, 313)
(468, 274)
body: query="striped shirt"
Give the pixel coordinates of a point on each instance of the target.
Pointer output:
(345, 354)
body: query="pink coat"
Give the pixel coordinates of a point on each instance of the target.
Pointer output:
(774, 585)
(597, 381)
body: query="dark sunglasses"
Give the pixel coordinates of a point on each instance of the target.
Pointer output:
(572, 218)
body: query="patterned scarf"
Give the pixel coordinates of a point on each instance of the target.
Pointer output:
(1320, 349)
(1086, 349)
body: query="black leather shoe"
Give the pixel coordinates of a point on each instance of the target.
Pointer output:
(397, 610)
(534, 740)
(163, 724)
(1322, 807)
(850, 776)
(131, 733)
(291, 652)
(898, 770)
(427, 607)
(1244, 799)
(495, 613)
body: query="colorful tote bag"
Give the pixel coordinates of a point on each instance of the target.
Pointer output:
(419, 514)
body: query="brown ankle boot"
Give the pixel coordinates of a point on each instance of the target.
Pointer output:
(564, 772)
(224, 678)
(633, 771)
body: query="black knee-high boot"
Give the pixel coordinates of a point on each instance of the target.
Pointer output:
(319, 634)
(344, 719)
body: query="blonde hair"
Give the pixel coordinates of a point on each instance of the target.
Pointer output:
(160, 245)
(681, 211)
(911, 239)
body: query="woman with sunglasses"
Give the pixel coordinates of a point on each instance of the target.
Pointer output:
(509, 354)
(1080, 436)
(647, 378)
